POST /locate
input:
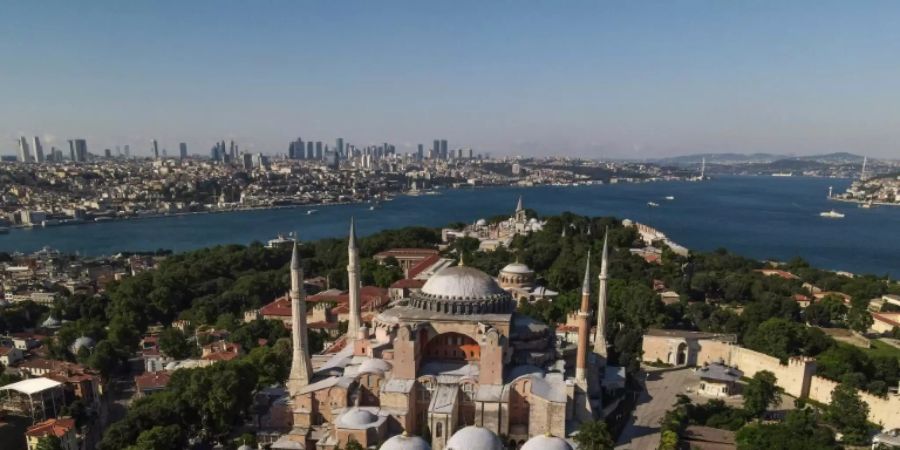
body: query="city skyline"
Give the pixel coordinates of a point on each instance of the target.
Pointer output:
(596, 80)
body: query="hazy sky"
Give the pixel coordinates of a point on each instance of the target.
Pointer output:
(592, 79)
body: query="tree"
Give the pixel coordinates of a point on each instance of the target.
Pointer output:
(761, 393)
(848, 413)
(49, 442)
(594, 435)
(160, 438)
(173, 343)
(799, 431)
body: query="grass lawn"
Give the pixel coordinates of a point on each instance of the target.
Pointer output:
(881, 349)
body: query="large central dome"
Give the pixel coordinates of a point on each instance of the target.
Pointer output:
(460, 282)
(462, 290)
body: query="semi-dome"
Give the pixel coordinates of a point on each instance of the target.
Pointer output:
(474, 438)
(405, 442)
(545, 442)
(462, 290)
(517, 268)
(357, 419)
(373, 365)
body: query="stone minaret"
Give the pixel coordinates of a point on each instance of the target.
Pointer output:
(301, 365)
(355, 321)
(600, 338)
(584, 327)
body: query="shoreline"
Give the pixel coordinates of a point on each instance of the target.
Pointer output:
(861, 202)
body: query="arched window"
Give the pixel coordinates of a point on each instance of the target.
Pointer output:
(439, 429)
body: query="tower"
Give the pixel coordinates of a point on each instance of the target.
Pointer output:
(583, 326)
(301, 365)
(38, 150)
(600, 338)
(24, 154)
(353, 283)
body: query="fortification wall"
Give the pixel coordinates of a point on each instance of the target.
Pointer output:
(793, 377)
(882, 410)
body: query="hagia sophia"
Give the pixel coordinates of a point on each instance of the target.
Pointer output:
(451, 366)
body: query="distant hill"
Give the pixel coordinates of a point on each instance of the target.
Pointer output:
(757, 158)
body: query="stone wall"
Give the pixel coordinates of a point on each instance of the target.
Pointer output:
(882, 410)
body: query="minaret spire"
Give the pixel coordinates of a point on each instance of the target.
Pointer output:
(355, 322)
(600, 338)
(584, 327)
(301, 365)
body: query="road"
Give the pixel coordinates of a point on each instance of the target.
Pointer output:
(642, 430)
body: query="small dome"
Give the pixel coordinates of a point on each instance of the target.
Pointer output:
(518, 268)
(405, 442)
(51, 323)
(357, 419)
(80, 343)
(481, 222)
(460, 282)
(545, 442)
(378, 366)
(474, 438)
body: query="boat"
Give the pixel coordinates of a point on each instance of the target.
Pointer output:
(4, 230)
(670, 197)
(280, 240)
(866, 205)
(311, 211)
(832, 214)
(783, 174)
(652, 204)
(372, 208)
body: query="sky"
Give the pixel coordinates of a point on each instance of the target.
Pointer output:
(594, 79)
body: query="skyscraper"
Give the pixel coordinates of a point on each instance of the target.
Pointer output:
(24, 154)
(182, 150)
(420, 152)
(38, 150)
(78, 150)
(437, 148)
(444, 153)
(310, 150)
(127, 151)
(155, 149)
(318, 155)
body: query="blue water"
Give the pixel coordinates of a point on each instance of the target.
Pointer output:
(759, 217)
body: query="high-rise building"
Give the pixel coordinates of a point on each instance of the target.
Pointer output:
(420, 152)
(78, 150)
(107, 153)
(24, 154)
(318, 150)
(339, 147)
(38, 150)
(437, 148)
(182, 150)
(155, 149)
(127, 151)
(444, 152)
(310, 150)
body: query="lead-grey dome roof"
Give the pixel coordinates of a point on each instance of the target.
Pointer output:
(462, 290)
(474, 438)
(461, 282)
(405, 442)
(544, 442)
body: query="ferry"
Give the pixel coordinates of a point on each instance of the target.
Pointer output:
(311, 211)
(652, 204)
(866, 205)
(670, 197)
(279, 240)
(783, 174)
(832, 214)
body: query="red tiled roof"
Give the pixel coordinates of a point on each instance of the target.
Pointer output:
(281, 307)
(406, 252)
(408, 283)
(152, 380)
(56, 427)
(778, 273)
(422, 265)
(5, 350)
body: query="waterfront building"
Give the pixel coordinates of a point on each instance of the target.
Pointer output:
(453, 360)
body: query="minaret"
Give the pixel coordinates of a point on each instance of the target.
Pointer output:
(301, 365)
(584, 327)
(353, 283)
(600, 337)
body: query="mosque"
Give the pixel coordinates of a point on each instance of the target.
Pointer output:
(451, 367)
